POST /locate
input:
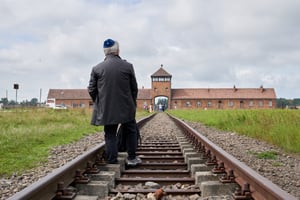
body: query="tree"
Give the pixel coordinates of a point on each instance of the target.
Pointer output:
(4, 101)
(34, 101)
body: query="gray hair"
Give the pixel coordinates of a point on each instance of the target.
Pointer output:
(114, 49)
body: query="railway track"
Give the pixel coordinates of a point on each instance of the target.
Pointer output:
(180, 163)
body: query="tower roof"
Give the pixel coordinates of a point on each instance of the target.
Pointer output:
(161, 72)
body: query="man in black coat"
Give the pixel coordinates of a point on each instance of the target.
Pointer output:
(113, 88)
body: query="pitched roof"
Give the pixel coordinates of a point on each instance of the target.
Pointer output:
(161, 72)
(190, 93)
(144, 94)
(68, 94)
(224, 93)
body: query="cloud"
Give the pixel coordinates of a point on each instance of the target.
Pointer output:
(54, 44)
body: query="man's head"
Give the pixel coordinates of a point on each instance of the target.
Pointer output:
(111, 47)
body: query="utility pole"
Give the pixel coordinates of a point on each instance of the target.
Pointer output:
(16, 87)
(40, 96)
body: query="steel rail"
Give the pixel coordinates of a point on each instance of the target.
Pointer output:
(260, 187)
(46, 187)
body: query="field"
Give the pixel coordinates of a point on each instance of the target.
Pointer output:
(27, 135)
(278, 127)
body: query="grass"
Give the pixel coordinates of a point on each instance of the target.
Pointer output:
(26, 136)
(270, 155)
(278, 127)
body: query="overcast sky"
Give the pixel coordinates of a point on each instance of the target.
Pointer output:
(202, 43)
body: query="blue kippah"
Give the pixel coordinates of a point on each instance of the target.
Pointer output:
(108, 43)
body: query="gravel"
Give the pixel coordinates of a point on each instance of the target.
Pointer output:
(284, 170)
(58, 157)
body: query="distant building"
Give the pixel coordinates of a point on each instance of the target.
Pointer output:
(72, 98)
(161, 95)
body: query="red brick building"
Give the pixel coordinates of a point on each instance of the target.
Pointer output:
(72, 98)
(161, 92)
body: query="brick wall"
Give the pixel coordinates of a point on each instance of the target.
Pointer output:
(74, 103)
(223, 104)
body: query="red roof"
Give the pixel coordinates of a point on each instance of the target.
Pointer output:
(144, 94)
(224, 93)
(161, 72)
(68, 94)
(191, 93)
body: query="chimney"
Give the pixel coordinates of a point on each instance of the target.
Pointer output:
(262, 89)
(234, 88)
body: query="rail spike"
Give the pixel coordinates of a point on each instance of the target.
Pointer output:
(228, 177)
(100, 158)
(219, 168)
(244, 194)
(63, 193)
(80, 178)
(91, 168)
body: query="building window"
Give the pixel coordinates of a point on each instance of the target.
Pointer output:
(82, 105)
(260, 104)
(241, 104)
(270, 104)
(230, 103)
(220, 104)
(251, 104)
(198, 104)
(209, 104)
(188, 104)
(161, 79)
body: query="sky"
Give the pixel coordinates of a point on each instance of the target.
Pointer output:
(202, 44)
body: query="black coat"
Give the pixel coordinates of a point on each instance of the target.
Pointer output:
(113, 88)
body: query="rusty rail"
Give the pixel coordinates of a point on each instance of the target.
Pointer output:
(46, 188)
(252, 184)
(57, 181)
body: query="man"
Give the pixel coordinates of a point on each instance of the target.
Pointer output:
(113, 89)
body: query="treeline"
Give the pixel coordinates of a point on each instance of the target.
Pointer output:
(6, 103)
(288, 103)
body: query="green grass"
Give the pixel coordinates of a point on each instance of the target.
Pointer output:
(26, 136)
(271, 155)
(278, 127)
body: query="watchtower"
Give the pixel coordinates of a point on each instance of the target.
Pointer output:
(161, 86)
